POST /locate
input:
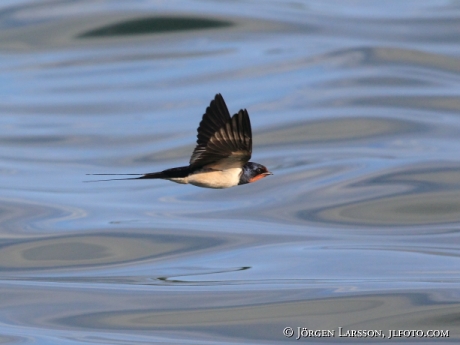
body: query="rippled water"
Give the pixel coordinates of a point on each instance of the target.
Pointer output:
(354, 107)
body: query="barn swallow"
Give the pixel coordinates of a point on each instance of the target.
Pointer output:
(221, 156)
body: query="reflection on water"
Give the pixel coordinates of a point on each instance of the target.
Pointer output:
(223, 315)
(329, 131)
(409, 209)
(80, 251)
(409, 197)
(154, 25)
(367, 312)
(354, 107)
(19, 217)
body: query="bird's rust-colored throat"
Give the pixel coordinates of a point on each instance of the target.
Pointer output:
(258, 177)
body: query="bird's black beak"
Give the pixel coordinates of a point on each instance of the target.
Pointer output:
(268, 173)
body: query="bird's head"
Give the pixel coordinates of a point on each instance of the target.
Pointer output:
(253, 172)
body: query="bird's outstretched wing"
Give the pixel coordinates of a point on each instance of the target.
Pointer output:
(223, 142)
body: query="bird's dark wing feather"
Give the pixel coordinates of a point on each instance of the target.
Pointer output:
(223, 142)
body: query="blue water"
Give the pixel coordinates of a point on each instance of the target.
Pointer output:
(354, 107)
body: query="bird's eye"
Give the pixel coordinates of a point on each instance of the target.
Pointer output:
(259, 171)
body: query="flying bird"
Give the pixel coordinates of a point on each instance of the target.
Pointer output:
(221, 156)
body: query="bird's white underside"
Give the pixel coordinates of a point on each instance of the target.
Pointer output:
(208, 178)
